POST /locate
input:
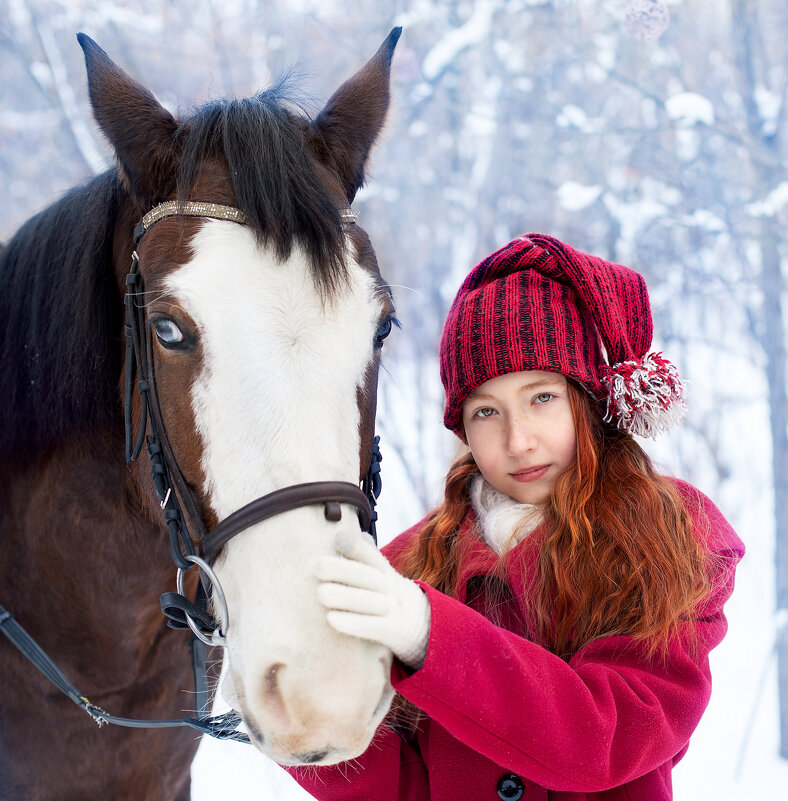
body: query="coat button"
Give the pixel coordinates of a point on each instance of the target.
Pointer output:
(510, 787)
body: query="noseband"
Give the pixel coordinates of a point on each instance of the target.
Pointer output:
(172, 489)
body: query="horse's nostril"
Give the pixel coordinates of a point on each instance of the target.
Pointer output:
(272, 679)
(311, 757)
(272, 697)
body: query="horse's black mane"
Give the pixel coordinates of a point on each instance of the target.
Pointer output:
(61, 324)
(60, 318)
(272, 174)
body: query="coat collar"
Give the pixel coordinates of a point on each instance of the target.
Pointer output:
(477, 558)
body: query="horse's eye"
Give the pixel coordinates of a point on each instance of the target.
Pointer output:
(168, 332)
(384, 330)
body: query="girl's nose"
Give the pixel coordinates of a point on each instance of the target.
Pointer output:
(520, 436)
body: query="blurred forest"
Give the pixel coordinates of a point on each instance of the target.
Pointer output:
(668, 153)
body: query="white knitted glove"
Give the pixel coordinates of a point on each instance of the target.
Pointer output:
(367, 598)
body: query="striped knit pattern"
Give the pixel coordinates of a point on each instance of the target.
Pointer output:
(538, 304)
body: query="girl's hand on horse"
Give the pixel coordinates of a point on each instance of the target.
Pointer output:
(367, 598)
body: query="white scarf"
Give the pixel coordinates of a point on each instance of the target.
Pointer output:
(502, 521)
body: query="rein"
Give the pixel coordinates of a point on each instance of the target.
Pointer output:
(172, 490)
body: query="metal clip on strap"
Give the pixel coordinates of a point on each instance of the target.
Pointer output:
(222, 726)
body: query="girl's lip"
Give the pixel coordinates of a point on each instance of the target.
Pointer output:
(531, 474)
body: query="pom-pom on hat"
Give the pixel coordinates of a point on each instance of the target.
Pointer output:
(538, 304)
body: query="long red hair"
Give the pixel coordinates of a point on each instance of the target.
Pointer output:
(617, 555)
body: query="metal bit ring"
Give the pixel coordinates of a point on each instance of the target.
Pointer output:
(217, 637)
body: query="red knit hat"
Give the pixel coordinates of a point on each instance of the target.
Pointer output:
(538, 304)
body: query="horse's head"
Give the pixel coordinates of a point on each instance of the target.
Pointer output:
(265, 341)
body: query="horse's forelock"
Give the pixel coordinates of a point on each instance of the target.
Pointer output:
(274, 177)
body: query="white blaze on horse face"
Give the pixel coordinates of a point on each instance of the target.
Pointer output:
(276, 404)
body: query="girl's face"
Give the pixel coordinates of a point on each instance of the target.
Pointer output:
(521, 432)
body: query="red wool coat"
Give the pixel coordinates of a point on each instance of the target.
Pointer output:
(509, 720)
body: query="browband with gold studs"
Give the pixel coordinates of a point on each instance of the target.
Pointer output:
(193, 208)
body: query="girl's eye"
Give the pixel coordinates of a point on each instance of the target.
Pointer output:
(544, 397)
(167, 332)
(485, 412)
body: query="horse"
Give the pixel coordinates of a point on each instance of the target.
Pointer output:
(211, 295)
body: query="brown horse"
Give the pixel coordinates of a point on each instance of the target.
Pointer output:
(256, 314)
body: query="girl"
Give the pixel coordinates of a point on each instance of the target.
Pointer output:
(551, 620)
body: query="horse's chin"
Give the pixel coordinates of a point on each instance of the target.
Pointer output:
(333, 725)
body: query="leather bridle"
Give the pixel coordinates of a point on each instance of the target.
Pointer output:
(172, 489)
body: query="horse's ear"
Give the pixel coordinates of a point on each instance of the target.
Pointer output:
(140, 130)
(354, 115)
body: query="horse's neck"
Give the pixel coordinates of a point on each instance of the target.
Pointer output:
(86, 563)
(81, 567)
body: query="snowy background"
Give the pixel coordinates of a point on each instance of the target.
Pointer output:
(651, 133)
